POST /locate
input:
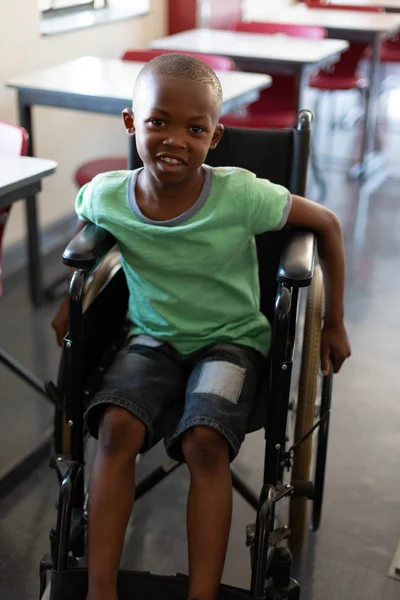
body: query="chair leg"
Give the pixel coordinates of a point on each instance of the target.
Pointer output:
(26, 375)
(317, 172)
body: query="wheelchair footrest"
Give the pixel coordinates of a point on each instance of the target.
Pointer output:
(291, 593)
(72, 584)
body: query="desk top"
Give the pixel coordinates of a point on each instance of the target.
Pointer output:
(276, 48)
(20, 171)
(107, 78)
(388, 5)
(336, 21)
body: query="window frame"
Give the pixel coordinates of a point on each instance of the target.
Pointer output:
(73, 8)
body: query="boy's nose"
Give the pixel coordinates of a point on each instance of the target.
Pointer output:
(176, 141)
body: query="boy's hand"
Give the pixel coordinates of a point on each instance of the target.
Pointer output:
(335, 347)
(60, 322)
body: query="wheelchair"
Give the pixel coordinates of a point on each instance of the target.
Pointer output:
(292, 404)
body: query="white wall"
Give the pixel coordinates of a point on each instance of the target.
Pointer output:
(69, 137)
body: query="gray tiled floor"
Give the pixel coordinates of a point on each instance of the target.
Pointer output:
(350, 556)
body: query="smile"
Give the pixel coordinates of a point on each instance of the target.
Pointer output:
(170, 160)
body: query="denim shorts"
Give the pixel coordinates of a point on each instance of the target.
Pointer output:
(170, 393)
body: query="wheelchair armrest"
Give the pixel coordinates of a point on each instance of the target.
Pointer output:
(296, 266)
(87, 247)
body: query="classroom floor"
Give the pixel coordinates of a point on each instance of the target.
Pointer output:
(350, 557)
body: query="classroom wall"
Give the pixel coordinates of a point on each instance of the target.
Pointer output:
(68, 137)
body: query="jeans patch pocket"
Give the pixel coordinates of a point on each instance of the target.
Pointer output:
(145, 340)
(221, 378)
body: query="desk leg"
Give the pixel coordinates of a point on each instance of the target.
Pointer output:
(372, 161)
(317, 171)
(34, 257)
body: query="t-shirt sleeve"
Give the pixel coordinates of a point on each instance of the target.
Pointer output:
(269, 206)
(84, 204)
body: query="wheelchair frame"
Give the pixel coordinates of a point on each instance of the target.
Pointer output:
(269, 561)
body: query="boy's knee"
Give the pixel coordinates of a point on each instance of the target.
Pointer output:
(120, 432)
(204, 448)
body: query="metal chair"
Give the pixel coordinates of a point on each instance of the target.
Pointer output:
(286, 265)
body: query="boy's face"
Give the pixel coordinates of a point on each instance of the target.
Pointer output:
(175, 122)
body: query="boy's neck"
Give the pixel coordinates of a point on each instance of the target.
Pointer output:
(161, 201)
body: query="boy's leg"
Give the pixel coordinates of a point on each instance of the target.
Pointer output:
(209, 509)
(220, 396)
(121, 437)
(141, 386)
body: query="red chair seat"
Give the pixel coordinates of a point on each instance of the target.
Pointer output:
(90, 169)
(268, 120)
(335, 82)
(390, 51)
(218, 63)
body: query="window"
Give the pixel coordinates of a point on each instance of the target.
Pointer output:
(50, 7)
(61, 16)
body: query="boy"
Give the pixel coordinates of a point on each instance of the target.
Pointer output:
(186, 236)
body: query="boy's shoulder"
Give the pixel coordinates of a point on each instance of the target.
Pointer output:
(233, 174)
(233, 182)
(110, 181)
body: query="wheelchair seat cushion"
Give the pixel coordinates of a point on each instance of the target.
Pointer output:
(170, 393)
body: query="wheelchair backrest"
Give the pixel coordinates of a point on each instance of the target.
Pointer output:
(278, 155)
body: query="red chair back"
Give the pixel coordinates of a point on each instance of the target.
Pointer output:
(348, 63)
(282, 94)
(305, 31)
(14, 141)
(219, 63)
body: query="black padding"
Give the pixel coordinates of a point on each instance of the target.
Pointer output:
(133, 585)
(271, 154)
(297, 261)
(87, 247)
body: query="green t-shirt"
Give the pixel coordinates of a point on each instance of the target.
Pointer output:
(193, 280)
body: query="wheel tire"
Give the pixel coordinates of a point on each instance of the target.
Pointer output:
(305, 413)
(105, 270)
(322, 450)
(62, 433)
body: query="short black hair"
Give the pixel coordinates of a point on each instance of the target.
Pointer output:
(183, 66)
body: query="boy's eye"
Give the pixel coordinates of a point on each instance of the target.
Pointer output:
(197, 129)
(157, 122)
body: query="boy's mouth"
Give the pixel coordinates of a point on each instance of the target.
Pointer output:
(171, 160)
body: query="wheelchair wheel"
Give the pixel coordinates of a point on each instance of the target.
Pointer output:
(309, 392)
(322, 450)
(103, 273)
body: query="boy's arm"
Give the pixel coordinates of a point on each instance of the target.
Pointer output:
(60, 320)
(309, 215)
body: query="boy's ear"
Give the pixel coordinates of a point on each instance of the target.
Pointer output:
(218, 133)
(129, 120)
